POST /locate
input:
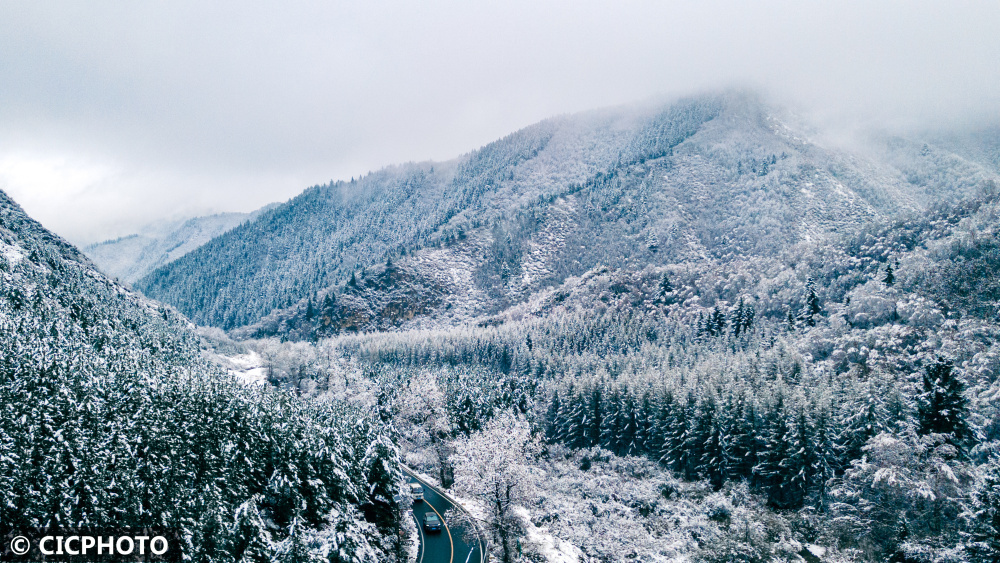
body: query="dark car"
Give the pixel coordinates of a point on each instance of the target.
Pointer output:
(432, 523)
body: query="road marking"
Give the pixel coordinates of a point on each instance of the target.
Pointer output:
(420, 528)
(480, 542)
(451, 542)
(451, 559)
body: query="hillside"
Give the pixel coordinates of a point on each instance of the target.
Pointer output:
(840, 396)
(132, 257)
(700, 331)
(110, 417)
(706, 178)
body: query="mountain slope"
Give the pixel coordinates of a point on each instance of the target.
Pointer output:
(132, 257)
(710, 177)
(110, 417)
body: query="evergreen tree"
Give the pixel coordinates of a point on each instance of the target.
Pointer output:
(863, 417)
(827, 454)
(252, 541)
(661, 436)
(985, 511)
(613, 423)
(596, 410)
(812, 305)
(645, 422)
(685, 449)
(578, 423)
(943, 408)
(771, 469)
(799, 462)
(384, 477)
(552, 418)
(741, 447)
(630, 425)
(664, 289)
(709, 436)
(889, 278)
(675, 454)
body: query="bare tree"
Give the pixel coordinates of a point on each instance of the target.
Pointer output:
(423, 407)
(492, 466)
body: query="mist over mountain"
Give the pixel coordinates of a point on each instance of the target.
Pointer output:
(614, 282)
(131, 257)
(711, 177)
(702, 330)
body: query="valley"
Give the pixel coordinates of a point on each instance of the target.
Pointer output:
(692, 330)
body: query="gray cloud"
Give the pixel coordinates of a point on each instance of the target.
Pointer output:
(116, 114)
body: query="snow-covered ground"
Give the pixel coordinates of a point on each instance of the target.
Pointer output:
(249, 368)
(553, 549)
(412, 536)
(12, 253)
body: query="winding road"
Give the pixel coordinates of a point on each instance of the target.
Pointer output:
(446, 546)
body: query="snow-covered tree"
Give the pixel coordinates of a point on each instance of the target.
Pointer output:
(493, 467)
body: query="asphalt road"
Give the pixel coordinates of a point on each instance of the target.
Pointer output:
(447, 545)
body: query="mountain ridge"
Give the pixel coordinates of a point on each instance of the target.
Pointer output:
(711, 176)
(131, 257)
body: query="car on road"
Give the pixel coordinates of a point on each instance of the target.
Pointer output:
(432, 523)
(416, 491)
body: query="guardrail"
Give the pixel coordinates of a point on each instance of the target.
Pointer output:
(484, 544)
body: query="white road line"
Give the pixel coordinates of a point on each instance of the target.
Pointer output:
(448, 500)
(423, 542)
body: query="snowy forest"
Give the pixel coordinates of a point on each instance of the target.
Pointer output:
(110, 417)
(847, 399)
(693, 331)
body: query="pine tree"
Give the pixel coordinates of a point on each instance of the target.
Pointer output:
(827, 454)
(889, 278)
(685, 451)
(383, 476)
(645, 421)
(741, 447)
(570, 412)
(799, 463)
(709, 435)
(718, 322)
(985, 510)
(675, 435)
(770, 471)
(812, 306)
(596, 409)
(864, 416)
(665, 288)
(661, 434)
(579, 423)
(741, 318)
(943, 408)
(629, 424)
(613, 424)
(552, 418)
(252, 541)
(294, 548)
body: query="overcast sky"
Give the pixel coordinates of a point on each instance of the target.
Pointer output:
(114, 115)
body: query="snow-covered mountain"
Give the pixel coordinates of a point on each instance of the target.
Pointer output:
(710, 177)
(702, 331)
(131, 257)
